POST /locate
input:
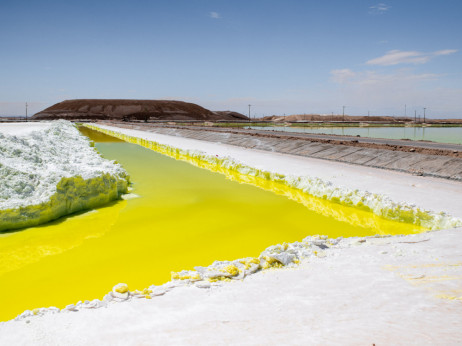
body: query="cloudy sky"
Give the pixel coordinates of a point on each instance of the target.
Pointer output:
(280, 56)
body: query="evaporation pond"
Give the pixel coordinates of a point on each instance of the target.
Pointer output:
(184, 216)
(435, 134)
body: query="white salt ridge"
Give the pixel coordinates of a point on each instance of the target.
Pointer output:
(358, 291)
(379, 204)
(22, 128)
(276, 256)
(288, 255)
(52, 171)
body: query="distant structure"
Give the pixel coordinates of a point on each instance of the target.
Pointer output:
(119, 109)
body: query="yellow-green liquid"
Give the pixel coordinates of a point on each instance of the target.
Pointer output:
(185, 216)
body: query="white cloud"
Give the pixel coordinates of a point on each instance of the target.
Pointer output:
(395, 57)
(380, 8)
(342, 76)
(370, 78)
(445, 52)
(214, 15)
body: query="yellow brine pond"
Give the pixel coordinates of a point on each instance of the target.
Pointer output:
(184, 216)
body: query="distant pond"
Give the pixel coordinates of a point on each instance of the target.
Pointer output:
(435, 134)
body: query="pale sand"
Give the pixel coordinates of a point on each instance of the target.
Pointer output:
(393, 290)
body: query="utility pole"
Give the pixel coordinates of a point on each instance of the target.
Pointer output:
(415, 116)
(424, 114)
(249, 111)
(26, 112)
(343, 113)
(405, 110)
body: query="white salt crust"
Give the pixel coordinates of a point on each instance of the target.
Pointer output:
(276, 256)
(379, 204)
(50, 171)
(387, 290)
(362, 300)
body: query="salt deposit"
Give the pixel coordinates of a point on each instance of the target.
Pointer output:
(219, 272)
(51, 170)
(379, 204)
(21, 129)
(382, 290)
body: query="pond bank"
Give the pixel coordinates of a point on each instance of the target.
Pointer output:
(419, 158)
(371, 290)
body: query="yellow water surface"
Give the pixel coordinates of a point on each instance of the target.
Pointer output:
(184, 216)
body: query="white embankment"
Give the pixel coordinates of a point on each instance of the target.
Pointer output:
(52, 170)
(377, 203)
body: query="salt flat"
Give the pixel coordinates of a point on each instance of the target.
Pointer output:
(392, 290)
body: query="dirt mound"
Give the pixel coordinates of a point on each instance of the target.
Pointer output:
(325, 118)
(232, 115)
(117, 109)
(356, 118)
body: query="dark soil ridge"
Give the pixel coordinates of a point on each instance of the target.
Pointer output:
(120, 109)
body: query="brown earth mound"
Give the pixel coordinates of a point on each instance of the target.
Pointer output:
(232, 115)
(356, 118)
(326, 118)
(117, 109)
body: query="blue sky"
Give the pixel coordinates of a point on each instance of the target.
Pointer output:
(283, 57)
